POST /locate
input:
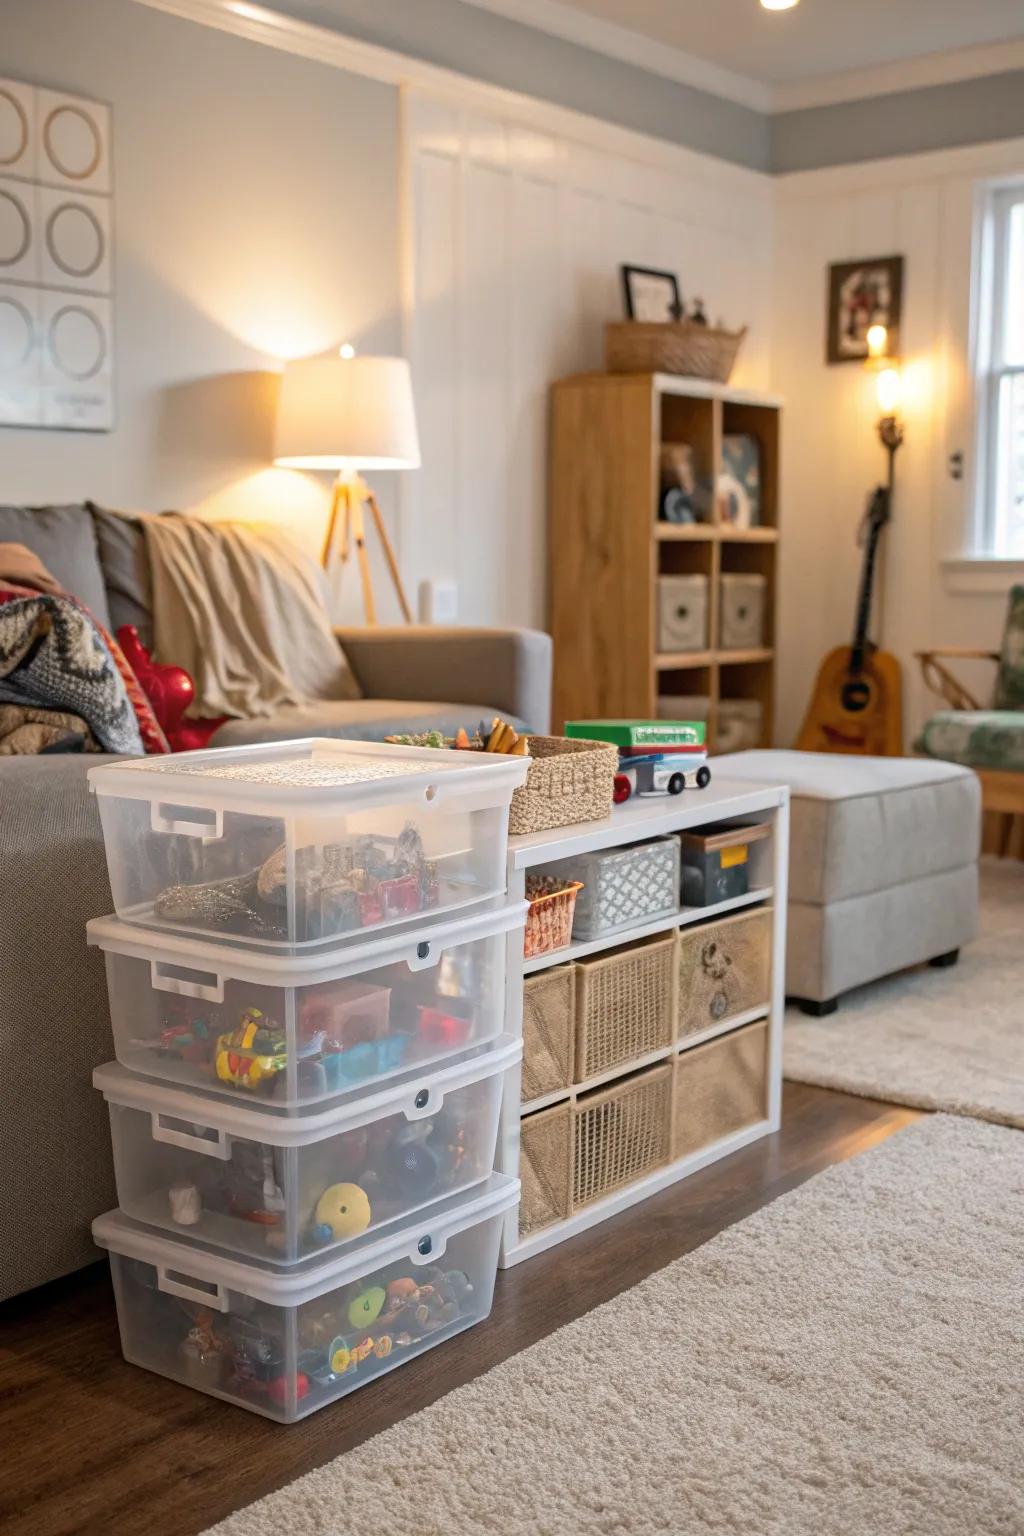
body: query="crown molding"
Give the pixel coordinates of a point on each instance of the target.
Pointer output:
(261, 24)
(630, 47)
(904, 75)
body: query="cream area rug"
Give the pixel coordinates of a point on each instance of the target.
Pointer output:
(843, 1362)
(936, 1039)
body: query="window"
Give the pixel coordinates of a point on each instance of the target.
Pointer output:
(1001, 380)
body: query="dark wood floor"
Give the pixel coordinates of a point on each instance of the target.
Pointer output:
(94, 1445)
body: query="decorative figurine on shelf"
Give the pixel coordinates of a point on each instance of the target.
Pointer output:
(698, 314)
(656, 757)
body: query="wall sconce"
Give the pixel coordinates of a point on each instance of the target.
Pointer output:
(888, 391)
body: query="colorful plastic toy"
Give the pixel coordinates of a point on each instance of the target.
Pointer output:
(342, 1211)
(656, 757)
(248, 1056)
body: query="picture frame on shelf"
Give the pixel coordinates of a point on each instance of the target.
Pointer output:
(650, 296)
(862, 294)
(739, 483)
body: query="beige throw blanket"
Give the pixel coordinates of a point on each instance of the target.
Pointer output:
(242, 611)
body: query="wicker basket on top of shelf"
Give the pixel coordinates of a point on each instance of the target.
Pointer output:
(568, 781)
(680, 346)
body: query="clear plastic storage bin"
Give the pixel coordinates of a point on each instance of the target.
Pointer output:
(303, 841)
(285, 1345)
(279, 1189)
(285, 1032)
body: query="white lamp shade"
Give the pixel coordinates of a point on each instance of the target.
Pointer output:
(347, 412)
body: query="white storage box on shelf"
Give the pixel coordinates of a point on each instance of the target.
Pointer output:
(278, 1189)
(286, 1344)
(301, 842)
(285, 1032)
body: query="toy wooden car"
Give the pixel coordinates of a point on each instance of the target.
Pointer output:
(660, 773)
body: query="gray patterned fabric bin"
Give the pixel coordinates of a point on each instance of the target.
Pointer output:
(622, 886)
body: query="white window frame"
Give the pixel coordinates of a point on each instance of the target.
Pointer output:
(992, 368)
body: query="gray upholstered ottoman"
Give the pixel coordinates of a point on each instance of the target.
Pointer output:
(883, 864)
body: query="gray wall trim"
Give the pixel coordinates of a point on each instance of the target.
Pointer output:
(934, 117)
(520, 58)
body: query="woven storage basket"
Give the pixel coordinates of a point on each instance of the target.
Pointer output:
(549, 1005)
(545, 1168)
(724, 969)
(568, 781)
(625, 1004)
(549, 921)
(720, 1087)
(621, 1133)
(698, 351)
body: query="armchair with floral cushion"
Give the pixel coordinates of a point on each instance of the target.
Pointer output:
(988, 739)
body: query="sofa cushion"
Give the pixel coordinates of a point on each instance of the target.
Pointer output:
(356, 719)
(126, 574)
(860, 824)
(65, 541)
(980, 738)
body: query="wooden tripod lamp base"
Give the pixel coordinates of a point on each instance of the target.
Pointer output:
(351, 496)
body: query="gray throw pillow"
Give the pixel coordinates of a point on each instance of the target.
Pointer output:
(64, 539)
(126, 572)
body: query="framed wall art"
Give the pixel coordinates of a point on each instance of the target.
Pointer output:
(862, 294)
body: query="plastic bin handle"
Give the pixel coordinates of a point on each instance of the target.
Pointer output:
(217, 1297)
(162, 982)
(192, 1142)
(162, 819)
(428, 1250)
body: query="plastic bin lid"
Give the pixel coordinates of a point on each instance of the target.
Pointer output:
(113, 935)
(315, 773)
(415, 1096)
(420, 1241)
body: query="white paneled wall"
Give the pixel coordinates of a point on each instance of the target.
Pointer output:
(922, 208)
(515, 236)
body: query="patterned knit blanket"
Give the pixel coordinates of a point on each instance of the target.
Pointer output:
(54, 655)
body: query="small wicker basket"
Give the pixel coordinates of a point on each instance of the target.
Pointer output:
(549, 921)
(682, 347)
(568, 781)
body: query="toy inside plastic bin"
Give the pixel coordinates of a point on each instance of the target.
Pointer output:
(279, 1189)
(286, 1344)
(295, 843)
(287, 1032)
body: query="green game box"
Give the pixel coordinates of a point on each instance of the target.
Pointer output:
(628, 735)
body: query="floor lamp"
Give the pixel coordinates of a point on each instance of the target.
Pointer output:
(349, 414)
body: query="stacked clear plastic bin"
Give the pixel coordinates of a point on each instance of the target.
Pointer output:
(307, 983)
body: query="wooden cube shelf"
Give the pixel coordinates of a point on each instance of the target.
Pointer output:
(607, 547)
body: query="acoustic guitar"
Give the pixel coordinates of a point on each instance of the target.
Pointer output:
(857, 704)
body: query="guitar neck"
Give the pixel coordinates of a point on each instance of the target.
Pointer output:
(867, 579)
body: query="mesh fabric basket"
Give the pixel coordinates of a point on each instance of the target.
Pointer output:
(625, 1004)
(549, 1006)
(621, 1133)
(549, 921)
(568, 781)
(698, 351)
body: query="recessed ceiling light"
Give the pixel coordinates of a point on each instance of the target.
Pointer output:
(779, 5)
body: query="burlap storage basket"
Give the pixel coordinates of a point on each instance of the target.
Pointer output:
(720, 1087)
(621, 1133)
(696, 351)
(549, 1005)
(545, 1148)
(625, 1004)
(568, 781)
(724, 969)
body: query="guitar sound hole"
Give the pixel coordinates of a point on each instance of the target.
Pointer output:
(856, 695)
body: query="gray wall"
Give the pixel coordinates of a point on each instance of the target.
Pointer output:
(255, 217)
(506, 53)
(904, 123)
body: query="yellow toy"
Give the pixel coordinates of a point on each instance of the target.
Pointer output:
(247, 1057)
(342, 1211)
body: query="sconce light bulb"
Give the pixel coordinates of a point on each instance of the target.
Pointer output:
(779, 5)
(347, 350)
(878, 341)
(890, 390)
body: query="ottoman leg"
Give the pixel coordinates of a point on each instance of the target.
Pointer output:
(940, 962)
(814, 1008)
